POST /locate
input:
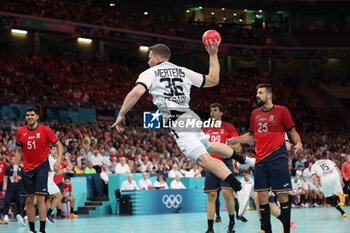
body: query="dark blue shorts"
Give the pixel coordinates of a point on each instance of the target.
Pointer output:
(35, 182)
(214, 183)
(60, 186)
(272, 175)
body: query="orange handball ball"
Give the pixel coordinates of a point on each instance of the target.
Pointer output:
(211, 36)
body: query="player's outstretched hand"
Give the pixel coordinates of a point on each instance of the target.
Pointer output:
(212, 47)
(298, 148)
(57, 166)
(230, 140)
(118, 124)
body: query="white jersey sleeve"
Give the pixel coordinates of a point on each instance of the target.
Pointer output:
(197, 79)
(145, 79)
(52, 162)
(286, 137)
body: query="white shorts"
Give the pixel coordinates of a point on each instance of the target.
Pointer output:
(191, 141)
(311, 187)
(52, 187)
(331, 186)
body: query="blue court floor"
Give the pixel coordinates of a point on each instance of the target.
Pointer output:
(311, 220)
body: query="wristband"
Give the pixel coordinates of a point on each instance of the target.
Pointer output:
(15, 168)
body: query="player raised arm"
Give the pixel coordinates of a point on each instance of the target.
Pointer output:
(212, 79)
(245, 138)
(293, 134)
(130, 100)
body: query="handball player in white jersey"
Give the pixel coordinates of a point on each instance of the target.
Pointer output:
(170, 86)
(331, 182)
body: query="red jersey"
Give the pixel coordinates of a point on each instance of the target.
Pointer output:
(3, 167)
(345, 170)
(220, 135)
(59, 178)
(269, 129)
(35, 144)
(66, 188)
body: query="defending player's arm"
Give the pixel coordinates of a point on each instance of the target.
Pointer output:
(130, 100)
(18, 157)
(340, 177)
(245, 138)
(314, 178)
(4, 186)
(293, 134)
(213, 78)
(57, 164)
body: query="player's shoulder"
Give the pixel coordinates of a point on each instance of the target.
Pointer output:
(22, 129)
(227, 125)
(281, 108)
(257, 110)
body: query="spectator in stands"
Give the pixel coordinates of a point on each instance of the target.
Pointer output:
(145, 183)
(194, 172)
(122, 167)
(176, 183)
(67, 189)
(160, 183)
(129, 184)
(174, 171)
(78, 169)
(89, 169)
(104, 177)
(3, 166)
(97, 161)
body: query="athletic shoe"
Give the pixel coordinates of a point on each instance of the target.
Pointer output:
(6, 218)
(242, 218)
(302, 205)
(292, 205)
(218, 220)
(73, 215)
(37, 218)
(341, 197)
(60, 216)
(343, 216)
(49, 219)
(261, 231)
(26, 218)
(315, 205)
(249, 162)
(231, 228)
(20, 220)
(292, 226)
(210, 231)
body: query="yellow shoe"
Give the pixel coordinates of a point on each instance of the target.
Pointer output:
(261, 231)
(341, 197)
(73, 216)
(343, 216)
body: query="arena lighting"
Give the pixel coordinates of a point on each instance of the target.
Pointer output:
(144, 48)
(222, 9)
(112, 4)
(235, 14)
(187, 11)
(200, 7)
(84, 40)
(145, 13)
(22, 32)
(212, 13)
(260, 11)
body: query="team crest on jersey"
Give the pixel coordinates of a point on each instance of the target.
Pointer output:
(38, 135)
(222, 131)
(272, 118)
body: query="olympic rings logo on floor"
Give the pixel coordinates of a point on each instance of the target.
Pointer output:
(172, 201)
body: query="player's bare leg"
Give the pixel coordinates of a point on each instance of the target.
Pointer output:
(230, 206)
(30, 212)
(42, 211)
(227, 152)
(219, 169)
(211, 210)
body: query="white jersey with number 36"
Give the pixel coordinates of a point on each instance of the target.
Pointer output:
(324, 168)
(170, 86)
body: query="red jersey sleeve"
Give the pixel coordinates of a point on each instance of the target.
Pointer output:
(251, 125)
(287, 118)
(232, 132)
(51, 136)
(18, 137)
